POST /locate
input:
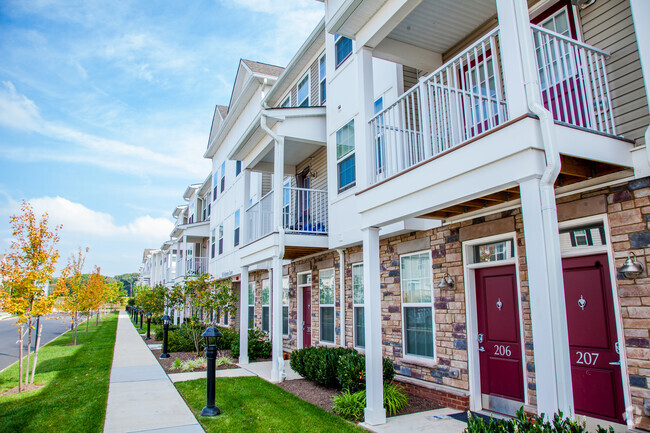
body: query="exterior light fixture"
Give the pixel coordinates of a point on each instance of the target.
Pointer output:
(141, 317)
(446, 282)
(148, 337)
(632, 268)
(166, 321)
(211, 334)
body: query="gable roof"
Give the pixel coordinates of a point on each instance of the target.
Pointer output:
(263, 68)
(220, 113)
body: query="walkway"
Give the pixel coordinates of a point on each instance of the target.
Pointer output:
(141, 398)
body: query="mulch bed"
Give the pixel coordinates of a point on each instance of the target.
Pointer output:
(152, 341)
(167, 363)
(322, 396)
(28, 387)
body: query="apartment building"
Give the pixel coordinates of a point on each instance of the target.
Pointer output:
(460, 190)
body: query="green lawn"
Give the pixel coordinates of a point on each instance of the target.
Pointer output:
(250, 404)
(76, 385)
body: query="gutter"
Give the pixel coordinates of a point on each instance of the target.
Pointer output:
(342, 293)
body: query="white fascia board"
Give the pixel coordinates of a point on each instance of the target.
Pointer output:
(179, 210)
(190, 190)
(341, 16)
(240, 149)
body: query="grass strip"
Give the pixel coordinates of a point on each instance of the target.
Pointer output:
(250, 404)
(75, 385)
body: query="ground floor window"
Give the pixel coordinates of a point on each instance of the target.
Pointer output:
(251, 305)
(285, 305)
(265, 305)
(417, 303)
(326, 297)
(358, 302)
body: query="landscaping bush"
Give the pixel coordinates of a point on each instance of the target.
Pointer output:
(524, 424)
(157, 331)
(350, 405)
(351, 371)
(258, 345)
(229, 336)
(179, 341)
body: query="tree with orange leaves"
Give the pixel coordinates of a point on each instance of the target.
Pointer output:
(72, 287)
(95, 293)
(25, 274)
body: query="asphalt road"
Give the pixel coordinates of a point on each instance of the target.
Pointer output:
(52, 328)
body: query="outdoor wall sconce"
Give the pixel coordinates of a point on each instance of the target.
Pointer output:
(291, 292)
(632, 268)
(446, 282)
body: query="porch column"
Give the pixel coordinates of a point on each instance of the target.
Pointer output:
(278, 182)
(243, 218)
(374, 413)
(243, 316)
(184, 260)
(547, 308)
(277, 366)
(366, 102)
(510, 47)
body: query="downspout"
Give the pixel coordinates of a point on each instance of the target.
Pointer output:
(547, 182)
(342, 294)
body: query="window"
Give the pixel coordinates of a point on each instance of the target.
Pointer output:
(494, 252)
(321, 79)
(285, 305)
(236, 234)
(225, 318)
(237, 168)
(357, 300)
(212, 241)
(251, 304)
(223, 176)
(417, 303)
(342, 48)
(554, 62)
(214, 186)
(220, 238)
(326, 294)
(286, 103)
(286, 204)
(345, 156)
(581, 237)
(303, 92)
(265, 304)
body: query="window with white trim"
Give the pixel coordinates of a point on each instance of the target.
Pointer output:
(236, 231)
(223, 176)
(417, 304)
(286, 103)
(220, 238)
(326, 301)
(345, 156)
(251, 304)
(553, 63)
(342, 49)
(303, 92)
(494, 251)
(321, 80)
(285, 306)
(266, 291)
(358, 306)
(237, 168)
(214, 186)
(212, 243)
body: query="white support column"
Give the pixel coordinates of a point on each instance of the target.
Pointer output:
(243, 218)
(278, 182)
(184, 261)
(554, 390)
(277, 366)
(509, 46)
(374, 413)
(243, 316)
(366, 101)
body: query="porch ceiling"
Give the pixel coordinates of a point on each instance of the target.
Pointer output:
(294, 152)
(438, 25)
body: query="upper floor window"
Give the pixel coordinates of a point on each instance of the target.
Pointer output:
(342, 48)
(237, 168)
(286, 102)
(321, 79)
(212, 244)
(221, 238)
(555, 64)
(345, 156)
(303, 92)
(236, 234)
(214, 186)
(223, 176)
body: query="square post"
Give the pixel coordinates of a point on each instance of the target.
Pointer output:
(243, 316)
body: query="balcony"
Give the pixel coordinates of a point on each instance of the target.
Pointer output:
(304, 219)
(464, 100)
(196, 265)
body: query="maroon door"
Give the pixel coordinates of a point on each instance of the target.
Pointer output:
(595, 364)
(499, 333)
(306, 317)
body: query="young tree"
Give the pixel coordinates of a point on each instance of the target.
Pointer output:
(95, 293)
(26, 271)
(73, 285)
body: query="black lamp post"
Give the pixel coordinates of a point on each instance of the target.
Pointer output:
(211, 334)
(165, 320)
(141, 317)
(148, 337)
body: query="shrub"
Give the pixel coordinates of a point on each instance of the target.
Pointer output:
(351, 371)
(192, 364)
(222, 361)
(524, 424)
(258, 345)
(229, 336)
(157, 331)
(350, 405)
(184, 339)
(177, 364)
(319, 364)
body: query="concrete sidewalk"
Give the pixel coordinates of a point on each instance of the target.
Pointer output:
(141, 398)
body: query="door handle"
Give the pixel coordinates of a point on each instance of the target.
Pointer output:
(481, 349)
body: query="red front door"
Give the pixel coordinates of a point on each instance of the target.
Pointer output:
(306, 317)
(499, 338)
(595, 363)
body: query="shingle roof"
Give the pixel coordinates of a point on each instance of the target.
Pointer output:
(263, 68)
(223, 110)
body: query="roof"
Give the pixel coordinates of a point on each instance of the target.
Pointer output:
(263, 68)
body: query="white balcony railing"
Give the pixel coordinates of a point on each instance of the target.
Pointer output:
(304, 211)
(170, 273)
(196, 265)
(573, 81)
(460, 100)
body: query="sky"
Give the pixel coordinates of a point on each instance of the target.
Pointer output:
(106, 107)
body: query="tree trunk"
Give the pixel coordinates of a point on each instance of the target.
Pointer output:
(20, 359)
(97, 318)
(75, 328)
(38, 343)
(29, 347)
(87, 321)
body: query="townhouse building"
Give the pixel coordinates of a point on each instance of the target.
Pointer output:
(456, 188)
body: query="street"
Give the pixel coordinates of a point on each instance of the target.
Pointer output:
(53, 326)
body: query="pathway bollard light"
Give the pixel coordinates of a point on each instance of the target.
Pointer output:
(165, 321)
(141, 317)
(148, 337)
(211, 334)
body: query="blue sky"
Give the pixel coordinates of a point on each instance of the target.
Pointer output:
(105, 108)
